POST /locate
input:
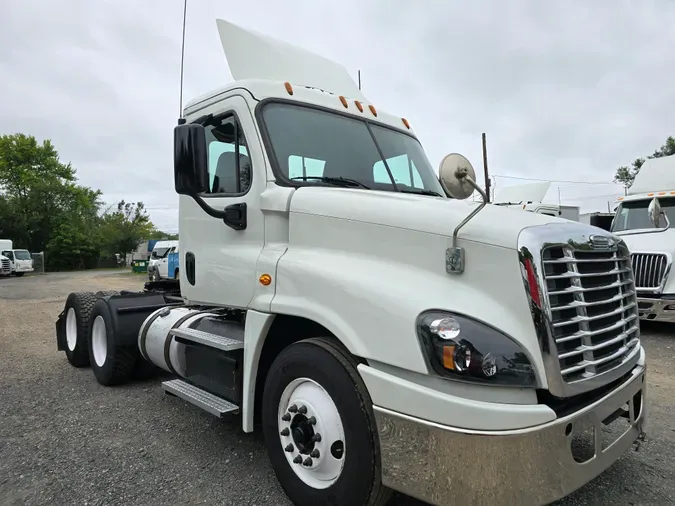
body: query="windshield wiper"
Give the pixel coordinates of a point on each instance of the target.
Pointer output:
(422, 192)
(339, 181)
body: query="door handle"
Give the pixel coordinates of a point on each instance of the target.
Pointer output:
(235, 216)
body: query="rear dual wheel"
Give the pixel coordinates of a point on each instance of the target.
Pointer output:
(320, 429)
(78, 310)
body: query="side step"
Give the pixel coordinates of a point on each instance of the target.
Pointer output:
(208, 339)
(207, 401)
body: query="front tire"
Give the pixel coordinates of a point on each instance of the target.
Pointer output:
(320, 429)
(111, 363)
(19, 274)
(78, 310)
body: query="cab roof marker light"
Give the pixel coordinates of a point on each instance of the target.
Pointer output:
(344, 101)
(288, 87)
(405, 122)
(373, 110)
(359, 106)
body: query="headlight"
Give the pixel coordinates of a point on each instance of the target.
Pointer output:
(462, 348)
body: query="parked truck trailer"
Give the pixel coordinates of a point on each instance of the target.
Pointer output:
(383, 332)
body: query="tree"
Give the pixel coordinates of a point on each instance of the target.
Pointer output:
(123, 230)
(626, 174)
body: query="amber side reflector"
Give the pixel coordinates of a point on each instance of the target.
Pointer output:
(289, 88)
(344, 101)
(405, 122)
(359, 106)
(662, 193)
(265, 279)
(373, 110)
(449, 357)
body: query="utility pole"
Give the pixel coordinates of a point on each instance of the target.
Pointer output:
(485, 169)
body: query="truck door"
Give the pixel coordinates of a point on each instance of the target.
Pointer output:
(172, 262)
(218, 257)
(163, 264)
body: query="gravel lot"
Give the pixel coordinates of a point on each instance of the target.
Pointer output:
(64, 439)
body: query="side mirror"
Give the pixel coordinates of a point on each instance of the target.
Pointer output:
(654, 211)
(190, 163)
(457, 176)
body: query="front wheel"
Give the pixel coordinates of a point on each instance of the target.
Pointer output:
(319, 427)
(19, 274)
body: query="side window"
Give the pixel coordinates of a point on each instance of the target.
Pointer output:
(301, 166)
(229, 161)
(402, 169)
(8, 254)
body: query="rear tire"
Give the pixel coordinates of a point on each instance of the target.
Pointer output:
(341, 467)
(19, 274)
(106, 293)
(111, 363)
(78, 310)
(155, 275)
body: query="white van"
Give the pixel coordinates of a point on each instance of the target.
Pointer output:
(158, 265)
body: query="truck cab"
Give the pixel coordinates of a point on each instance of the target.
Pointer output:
(20, 261)
(381, 330)
(643, 220)
(158, 265)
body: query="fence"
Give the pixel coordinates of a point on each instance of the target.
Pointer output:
(38, 262)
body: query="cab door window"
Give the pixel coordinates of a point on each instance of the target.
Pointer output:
(228, 158)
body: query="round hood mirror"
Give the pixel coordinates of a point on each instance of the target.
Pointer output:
(453, 172)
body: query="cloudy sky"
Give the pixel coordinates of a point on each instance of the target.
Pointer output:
(565, 90)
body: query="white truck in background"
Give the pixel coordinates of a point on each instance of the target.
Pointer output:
(158, 265)
(529, 196)
(383, 335)
(20, 260)
(644, 220)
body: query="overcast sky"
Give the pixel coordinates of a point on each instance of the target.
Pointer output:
(567, 90)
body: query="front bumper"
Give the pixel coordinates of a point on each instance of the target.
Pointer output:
(658, 310)
(534, 466)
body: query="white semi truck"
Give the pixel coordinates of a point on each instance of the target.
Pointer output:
(384, 335)
(529, 196)
(643, 220)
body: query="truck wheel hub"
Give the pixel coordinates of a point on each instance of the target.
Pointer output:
(99, 341)
(71, 329)
(310, 426)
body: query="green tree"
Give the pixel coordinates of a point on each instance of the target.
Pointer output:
(626, 174)
(124, 229)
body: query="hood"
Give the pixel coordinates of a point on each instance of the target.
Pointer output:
(656, 242)
(493, 225)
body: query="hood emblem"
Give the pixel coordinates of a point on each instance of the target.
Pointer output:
(602, 242)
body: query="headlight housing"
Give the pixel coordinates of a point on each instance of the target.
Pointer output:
(461, 348)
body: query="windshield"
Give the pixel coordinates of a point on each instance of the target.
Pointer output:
(311, 144)
(159, 252)
(22, 254)
(633, 215)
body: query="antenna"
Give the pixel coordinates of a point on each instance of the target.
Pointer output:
(359, 77)
(182, 61)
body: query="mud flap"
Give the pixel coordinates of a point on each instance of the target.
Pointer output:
(61, 332)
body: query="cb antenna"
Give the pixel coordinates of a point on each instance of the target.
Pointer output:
(181, 120)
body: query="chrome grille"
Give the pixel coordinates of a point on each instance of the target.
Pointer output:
(649, 269)
(592, 299)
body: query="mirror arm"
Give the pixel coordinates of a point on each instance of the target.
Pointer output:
(214, 213)
(474, 212)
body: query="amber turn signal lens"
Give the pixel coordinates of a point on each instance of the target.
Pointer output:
(265, 279)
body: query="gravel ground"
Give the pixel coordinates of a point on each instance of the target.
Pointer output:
(64, 439)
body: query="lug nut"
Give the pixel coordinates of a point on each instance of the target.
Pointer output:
(286, 417)
(285, 432)
(293, 408)
(316, 438)
(312, 420)
(307, 462)
(289, 448)
(297, 460)
(315, 454)
(302, 410)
